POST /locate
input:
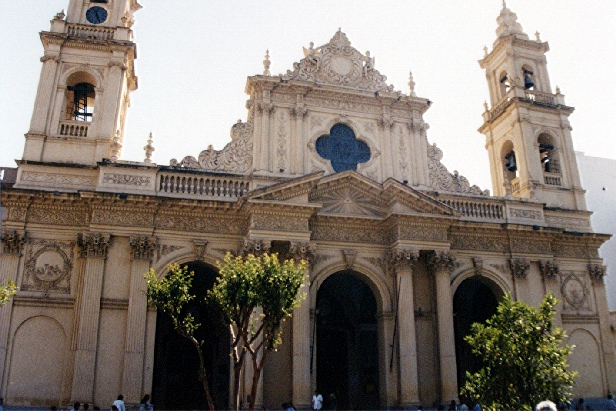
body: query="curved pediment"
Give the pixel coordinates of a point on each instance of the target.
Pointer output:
(340, 64)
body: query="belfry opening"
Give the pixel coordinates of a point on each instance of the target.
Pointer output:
(347, 343)
(176, 385)
(475, 301)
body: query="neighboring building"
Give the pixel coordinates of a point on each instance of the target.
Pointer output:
(331, 165)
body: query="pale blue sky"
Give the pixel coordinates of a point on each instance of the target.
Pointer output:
(194, 57)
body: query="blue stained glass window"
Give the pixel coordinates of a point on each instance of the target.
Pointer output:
(342, 148)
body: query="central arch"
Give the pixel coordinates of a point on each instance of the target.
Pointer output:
(347, 342)
(475, 301)
(175, 385)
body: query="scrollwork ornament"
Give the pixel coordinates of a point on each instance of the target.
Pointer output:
(256, 247)
(519, 267)
(93, 245)
(302, 251)
(200, 247)
(142, 248)
(12, 242)
(596, 272)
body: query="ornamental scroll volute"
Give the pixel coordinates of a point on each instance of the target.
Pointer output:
(302, 251)
(256, 247)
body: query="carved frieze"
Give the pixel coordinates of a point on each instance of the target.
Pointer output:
(256, 247)
(48, 266)
(571, 250)
(58, 180)
(519, 267)
(16, 214)
(549, 269)
(596, 272)
(142, 248)
(279, 222)
(349, 233)
(137, 218)
(530, 245)
(12, 242)
(200, 224)
(93, 245)
(526, 214)
(401, 258)
(56, 216)
(442, 261)
(478, 242)
(575, 292)
(567, 222)
(127, 180)
(420, 232)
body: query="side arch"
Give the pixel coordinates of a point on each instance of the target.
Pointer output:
(495, 279)
(38, 361)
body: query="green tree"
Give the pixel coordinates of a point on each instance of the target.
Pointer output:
(6, 292)
(171, 295)
(255, 295)
(525, 360)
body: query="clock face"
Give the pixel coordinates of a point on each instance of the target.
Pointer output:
(96, 15)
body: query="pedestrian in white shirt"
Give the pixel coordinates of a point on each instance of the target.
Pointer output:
(120, 403)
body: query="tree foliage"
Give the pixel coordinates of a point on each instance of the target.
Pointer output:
(525, 360)
(170, 295)
(255, 295)
(6, 292)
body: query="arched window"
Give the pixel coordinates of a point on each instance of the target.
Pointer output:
(547, 154)
(528, 75)
(510, 163)
(505, 84)
(80, 96)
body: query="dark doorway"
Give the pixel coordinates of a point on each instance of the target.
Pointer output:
(347, 342)
(176, 363)
(474, 302)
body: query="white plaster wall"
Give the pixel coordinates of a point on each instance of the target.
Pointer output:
(598, 177)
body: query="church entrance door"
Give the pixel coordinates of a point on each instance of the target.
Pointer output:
(347, 342)
(475, 300)
(176, 385)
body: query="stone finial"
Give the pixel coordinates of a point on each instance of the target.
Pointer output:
(266, 64)
(411, 84)
(485, 105)
(149, 149)
(508, 24)
(485, 51)
(557, 90)
(538, 36)
(60, 16)
(116, 147)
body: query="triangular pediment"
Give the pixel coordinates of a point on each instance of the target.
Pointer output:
(338, 63)
(291, 191)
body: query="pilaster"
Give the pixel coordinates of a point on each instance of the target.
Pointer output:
(12, 245)
(442, 264)
(402, 262)
(141, 250)
(93, 248)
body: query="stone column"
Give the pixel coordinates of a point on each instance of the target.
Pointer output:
(442, 264)
(302, 333)
(93, 248)
(12, 244)
(402, 262)
(141, 252)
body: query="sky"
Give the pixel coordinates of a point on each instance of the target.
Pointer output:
(194, 56)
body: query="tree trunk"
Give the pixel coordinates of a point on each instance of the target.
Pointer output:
(203, 376)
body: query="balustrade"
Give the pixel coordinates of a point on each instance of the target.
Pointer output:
(74, 128)
(100, 33)
(552, 179)
(540, 97)
(489, 210)
(202, 186)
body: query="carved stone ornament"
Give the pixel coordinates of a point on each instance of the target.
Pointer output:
(349, 257)
(200, 247)
(477, 265)
(12, 242)
(442, 261)
(519, 267)
(549, 269)
(48, 266)
(596, 272)
(442, 179)
(142, 248)
(338, 63)
(302, 251)
(399, 258)
(93, 245)
(164, 249)
(575, 293)
(256, 247)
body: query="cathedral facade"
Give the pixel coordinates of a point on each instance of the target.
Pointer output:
(332, 166)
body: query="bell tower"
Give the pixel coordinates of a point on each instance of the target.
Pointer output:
(528, 136)
(84, 90)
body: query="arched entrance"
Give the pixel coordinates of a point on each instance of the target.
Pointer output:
(475, 301)
(347, 342)
(175, 385)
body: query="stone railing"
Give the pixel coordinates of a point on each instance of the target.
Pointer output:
(477, 209)
(552, 179)
(73, 128)
(91, 32)
(515, 185)
(199, 186)
(540, 97)
(499, 108)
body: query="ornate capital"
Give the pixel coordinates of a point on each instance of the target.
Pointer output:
(256, 247)
(200, 247)
(386, 121)
(119, 64)
(519, 267)
(401, 258)
(48, 57)
(442, 261)
(93, 245)
(142, 248)
(12, 242)
(299, 111)
(549, 269)
(302, 251)
(596, 272)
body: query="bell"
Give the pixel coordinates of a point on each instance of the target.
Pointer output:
(528, 83)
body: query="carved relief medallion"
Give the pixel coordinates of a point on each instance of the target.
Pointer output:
(48, 266)
(575, 292)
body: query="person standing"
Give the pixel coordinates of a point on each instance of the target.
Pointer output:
(317, 400)
(145, 404)
(120, 403)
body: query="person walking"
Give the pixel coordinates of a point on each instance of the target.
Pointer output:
(317, 400)
(145, 404)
